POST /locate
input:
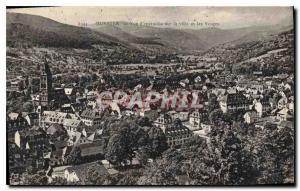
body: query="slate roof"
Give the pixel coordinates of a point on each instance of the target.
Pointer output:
(54, 128)
(94, 148)
(72, 122)
(237, 98)
(176, 129)
(92, 114)
(288, 124)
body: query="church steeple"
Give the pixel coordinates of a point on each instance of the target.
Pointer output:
(45, 70)
(45, 84)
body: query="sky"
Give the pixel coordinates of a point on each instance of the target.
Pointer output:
(221, 17)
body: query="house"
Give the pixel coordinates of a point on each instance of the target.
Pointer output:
(258, 107)
(251, 117)
(16, 85)
(266, 104)
(81, 138)
(263, 122)
(287, 86)
(204, 129)
(183, 116)
(109, 167)
(15, 122)
(57, 157)
(257, 86)
(286, 124)
(162, 121)
(55, 129)
(70, 92)
(291, 106)
(49, 117)
(91, 95)
(234, 103)
(177, 134)
(15, 178)
(80, 173)
(91, 117)
(195, 119)
(78, 107)
(268, 84)
(37, 144)
(152, 115)
(60, 98)
(92, 151)
(18, 158)
(66, 108)
(32, 119)
(58, 172)
(72, 126)
(282, 114)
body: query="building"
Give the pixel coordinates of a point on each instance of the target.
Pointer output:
(59, 98)
(91, 117)
(56, 132)
(18, 158)
(195, 119)
(32, 119)
(265, 121)
(286, 124)
(182, 115)
(15, 122)
(37, 144)
(251, 117)
(162, 121)
(58, 172)
(16, 86)
(92, 151)
(45, 85)
(282, 115)
(266, 104)
(177, 134)
(49, 117)
(234, 103)
(57, 157)
(70, 92)
(72, 126)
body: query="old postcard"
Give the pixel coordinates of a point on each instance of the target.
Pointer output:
(150, 96)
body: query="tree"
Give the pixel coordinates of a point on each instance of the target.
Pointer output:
(28, 107)
(74, 157)
(126, 139)
(222, 160)
(36, 179)
(157, 141)
(58, 181)
(275, 148)
(116, 150)
(164, 170)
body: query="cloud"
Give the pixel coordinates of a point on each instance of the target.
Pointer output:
(227, 17)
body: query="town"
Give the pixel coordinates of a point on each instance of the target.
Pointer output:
(240, 133)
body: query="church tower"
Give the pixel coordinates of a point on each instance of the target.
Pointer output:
(45, 85)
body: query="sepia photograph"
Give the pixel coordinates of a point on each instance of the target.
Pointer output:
(150, 96)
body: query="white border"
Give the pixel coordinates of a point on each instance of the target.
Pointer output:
(4, 3)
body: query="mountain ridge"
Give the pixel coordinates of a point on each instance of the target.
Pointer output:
(42, 31)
